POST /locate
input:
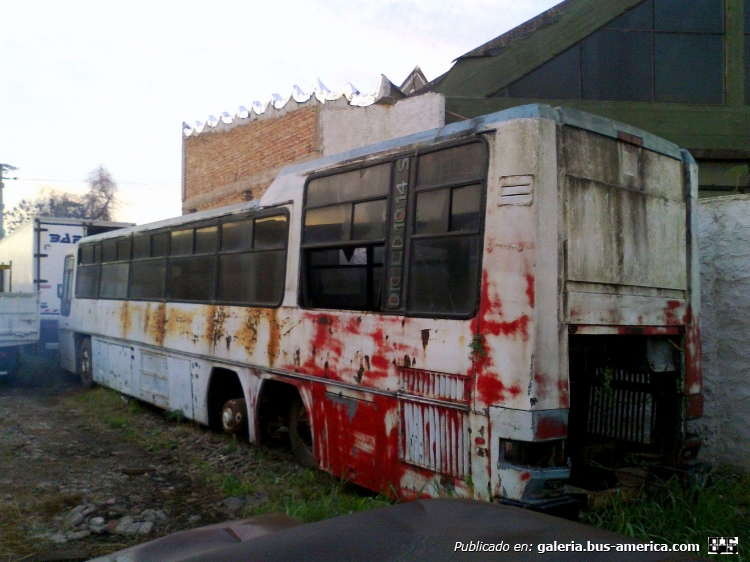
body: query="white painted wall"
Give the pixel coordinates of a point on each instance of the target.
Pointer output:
(345, 127)
(724, 240)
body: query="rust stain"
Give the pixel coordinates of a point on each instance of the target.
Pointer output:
(156, 323)
(215, 318)
(125, 320)
(180, 322)
(274, 336)
(425, 339)
(247, 335)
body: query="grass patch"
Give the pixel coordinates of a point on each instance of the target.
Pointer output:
(676, 515)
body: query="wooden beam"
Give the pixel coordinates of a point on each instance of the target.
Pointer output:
(735, 51)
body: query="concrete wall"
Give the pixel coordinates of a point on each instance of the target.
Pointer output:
(724, 239)
(237, 161)
(346, 127)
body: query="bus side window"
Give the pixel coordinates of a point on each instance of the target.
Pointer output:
(89, 271)
(446, 243)
(344, 239)
(252, 261)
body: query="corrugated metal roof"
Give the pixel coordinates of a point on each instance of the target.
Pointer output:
(318, 93)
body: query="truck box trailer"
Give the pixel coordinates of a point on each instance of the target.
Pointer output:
(33, 264)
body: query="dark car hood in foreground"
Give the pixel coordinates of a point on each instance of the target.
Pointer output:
(421, 530)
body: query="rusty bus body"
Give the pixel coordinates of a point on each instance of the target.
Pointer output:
(490, 309)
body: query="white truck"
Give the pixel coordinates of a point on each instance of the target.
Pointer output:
(31, 266)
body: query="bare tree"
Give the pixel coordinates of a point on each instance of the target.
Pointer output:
(101, 199)
(98, 203)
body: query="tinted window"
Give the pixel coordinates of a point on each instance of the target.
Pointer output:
(252, 278)
(747, 66)
(617, 66)
(465, 208)
(109, 250)
(160, 245)
(329, 224)
(432, 211)
(114, 281)
(182, 242)
(270, 232)
(689, 68)
(706, 16)
(86, 255)
(237, 236)
(206, 239)
(191, 278)
(369, 220)
(87, 282)
(147, 279)
(558, 78)
(444, 275)
(97, 253)
(357, 184)
(454, 165)
(123, 249)
(141, 247)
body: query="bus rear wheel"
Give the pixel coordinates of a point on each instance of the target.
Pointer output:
(300, 434)
(85, 367)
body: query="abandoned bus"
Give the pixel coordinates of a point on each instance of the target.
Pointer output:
(502, 308)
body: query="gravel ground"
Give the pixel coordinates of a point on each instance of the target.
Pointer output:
(87, 472)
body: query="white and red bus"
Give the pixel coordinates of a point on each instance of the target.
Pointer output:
(497, 308)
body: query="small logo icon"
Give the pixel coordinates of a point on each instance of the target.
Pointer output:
(723, 545)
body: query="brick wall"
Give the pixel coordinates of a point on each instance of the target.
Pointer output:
(226, 167)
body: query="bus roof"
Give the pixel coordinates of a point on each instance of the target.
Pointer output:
(287, 187)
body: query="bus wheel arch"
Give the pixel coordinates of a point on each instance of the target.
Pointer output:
(225, 402)
(282, 414)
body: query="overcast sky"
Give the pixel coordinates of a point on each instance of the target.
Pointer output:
(110, 83)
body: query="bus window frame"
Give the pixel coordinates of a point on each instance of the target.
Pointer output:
(409, 234)
(201, 223)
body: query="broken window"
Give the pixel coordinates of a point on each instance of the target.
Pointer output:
(344, 239)
(434, 235)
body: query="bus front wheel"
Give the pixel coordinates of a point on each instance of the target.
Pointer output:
(300, 434)
(85, 369)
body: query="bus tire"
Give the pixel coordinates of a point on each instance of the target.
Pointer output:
(300, 434)
(85, 364)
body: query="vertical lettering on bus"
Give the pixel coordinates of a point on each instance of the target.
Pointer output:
(400, 194)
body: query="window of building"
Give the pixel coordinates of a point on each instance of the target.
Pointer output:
(558, 79)
(669, 51)
(616, 65)
(689, 68)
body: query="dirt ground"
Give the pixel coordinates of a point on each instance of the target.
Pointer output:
(88, 472)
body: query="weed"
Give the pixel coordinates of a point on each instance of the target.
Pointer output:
(174, 415)
(677, 515)
(477, 348)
